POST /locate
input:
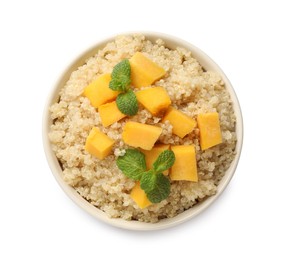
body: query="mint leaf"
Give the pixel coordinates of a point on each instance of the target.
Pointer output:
(132, 164)
(121, 76)
(148, 180)
(164, 161)
(156, 186)
(123, 68)
(127, 103)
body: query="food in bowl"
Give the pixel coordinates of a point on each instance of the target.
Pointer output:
(180, 108)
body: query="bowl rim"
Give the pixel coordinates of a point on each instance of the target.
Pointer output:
(171, 42)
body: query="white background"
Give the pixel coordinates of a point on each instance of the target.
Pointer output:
(246, 38)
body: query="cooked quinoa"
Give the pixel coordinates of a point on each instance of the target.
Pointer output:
(191, 89)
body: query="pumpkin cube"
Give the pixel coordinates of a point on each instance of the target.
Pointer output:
(155, 100)
(209, 130)
(181, 123)
(184, 167)
(152, 155)
(110, 113)
(144, 71)
(139, 196)
(98, 91)
(99, 144)
(141, 135)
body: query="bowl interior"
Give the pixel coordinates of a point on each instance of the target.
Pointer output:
(172, 43)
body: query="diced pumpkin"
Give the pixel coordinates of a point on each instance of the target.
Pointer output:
(139, 196)
(141, 135)
(209, 130)
(184, 167)
(98, 91)
(181, 123)
(152, 155)
(110, 113)
(99, 144)
(144, 71)
(155, 100)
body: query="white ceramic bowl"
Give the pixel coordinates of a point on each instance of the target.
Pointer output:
(208, 64)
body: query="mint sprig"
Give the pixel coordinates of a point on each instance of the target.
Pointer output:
(153, 182)
(121, 80)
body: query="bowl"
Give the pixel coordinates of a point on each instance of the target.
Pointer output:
(208, 64)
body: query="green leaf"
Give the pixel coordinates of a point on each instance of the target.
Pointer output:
(121, 76)
(127, 103)
(148, 180)
(122, 68)
(132, 164)
(164, 161)
(156, 186)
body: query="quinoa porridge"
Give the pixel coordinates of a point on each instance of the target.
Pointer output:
(191, 89)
